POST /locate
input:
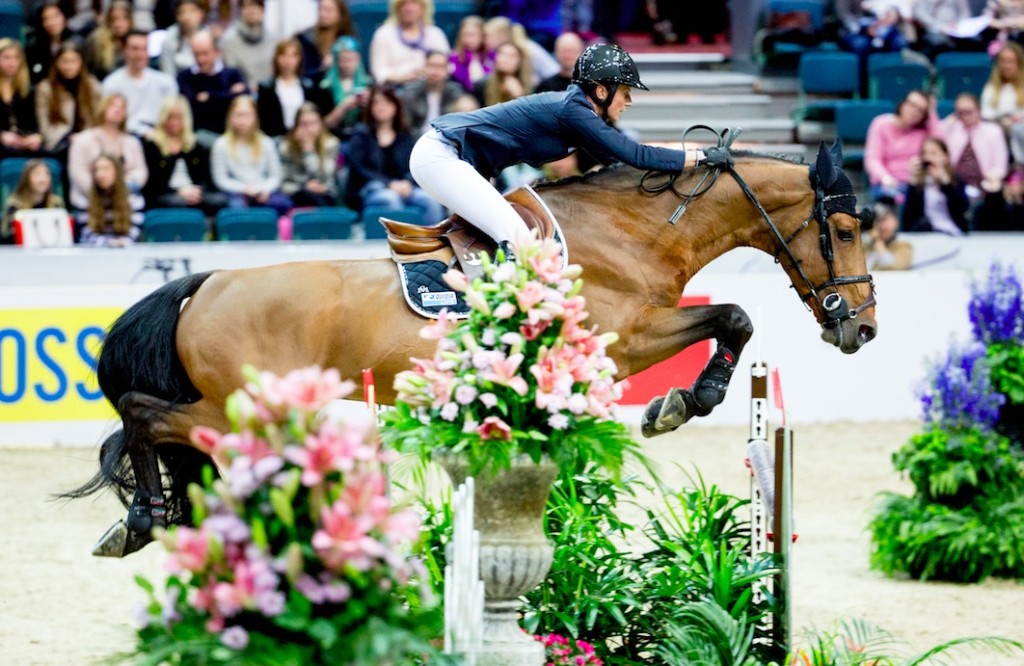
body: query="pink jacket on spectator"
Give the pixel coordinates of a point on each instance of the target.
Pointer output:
(889, 147)
(989, 143)
(90, 144)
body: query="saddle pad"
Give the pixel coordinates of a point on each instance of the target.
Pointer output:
(427, 293)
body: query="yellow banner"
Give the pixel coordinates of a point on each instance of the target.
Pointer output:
(48, 363)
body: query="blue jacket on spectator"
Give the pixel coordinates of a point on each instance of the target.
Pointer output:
(542, 128)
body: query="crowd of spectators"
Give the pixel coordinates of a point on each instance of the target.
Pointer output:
(952, 174)
(188, 103)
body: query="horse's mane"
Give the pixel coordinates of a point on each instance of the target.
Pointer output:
(624, 174)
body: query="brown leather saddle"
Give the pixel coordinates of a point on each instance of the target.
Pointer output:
(458, 243)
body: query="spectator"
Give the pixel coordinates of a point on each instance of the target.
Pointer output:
(280, 97)
(893, 139)
(104, 50)
(19, 129)
(248, 46)
(431, 96)
(348, 85)
(887, 252)
(875, 33)
(245, 163)
(114, 215)
(672, 20)
(378, 158)
(34, 190)
(176, 51)
(209, 87)
(935, 19)
(1007, 20)
(568, 48)
(143, 88)
(309, 160)
(1004, 212)
(1002, 99)
(936, 197)
(143, 15)
(510, 79)
(67, 100)
(541, 19)
(108, 137)
(179, 168)
(399, 48)
(499, 30)
(977, 148)
(578, 17)
(469, 59)
(333, 20)
(49, 31)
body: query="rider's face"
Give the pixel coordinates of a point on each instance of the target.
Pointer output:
(620, 103)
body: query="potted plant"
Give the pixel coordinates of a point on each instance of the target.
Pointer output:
(515, 391)
(297, 556)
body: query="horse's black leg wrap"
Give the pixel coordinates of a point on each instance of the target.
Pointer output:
(146, 513)
(709, 389)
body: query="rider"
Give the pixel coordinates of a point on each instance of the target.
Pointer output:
(455, 159)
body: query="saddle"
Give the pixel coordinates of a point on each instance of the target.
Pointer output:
(456, 242)
(425, 254)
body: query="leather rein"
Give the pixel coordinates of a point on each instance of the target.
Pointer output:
(835, 308)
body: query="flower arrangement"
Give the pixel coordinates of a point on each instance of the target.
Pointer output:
(522, 375)
(967, 467)
(298, 556)
(560, 650)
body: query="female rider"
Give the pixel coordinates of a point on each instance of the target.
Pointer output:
(455, 160)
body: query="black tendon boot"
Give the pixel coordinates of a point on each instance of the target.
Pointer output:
(710, 387)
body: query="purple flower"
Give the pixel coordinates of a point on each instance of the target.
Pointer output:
(959, 392)
(235, 637)
(995, 307)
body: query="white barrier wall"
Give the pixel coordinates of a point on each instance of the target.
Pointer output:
(56, 304)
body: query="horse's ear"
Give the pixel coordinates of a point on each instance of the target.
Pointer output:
(837, 153)
(825, 168)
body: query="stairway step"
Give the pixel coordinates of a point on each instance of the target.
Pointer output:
(656, 62)
(717, 82)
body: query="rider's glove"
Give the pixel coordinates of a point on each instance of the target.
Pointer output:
(717, 158)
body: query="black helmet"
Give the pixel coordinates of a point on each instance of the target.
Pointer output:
(606, 63)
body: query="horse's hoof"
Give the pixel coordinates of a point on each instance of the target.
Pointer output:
(673, 411)
(648, 427)
(113, 541)
(119, 541)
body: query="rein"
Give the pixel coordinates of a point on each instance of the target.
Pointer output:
(834, 306)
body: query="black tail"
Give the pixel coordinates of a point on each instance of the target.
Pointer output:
(140, 354)
(140, 351)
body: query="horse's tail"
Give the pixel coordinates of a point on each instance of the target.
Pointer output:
(140, 354)
(140, 351)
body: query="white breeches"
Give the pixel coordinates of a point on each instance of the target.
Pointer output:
(437, 168)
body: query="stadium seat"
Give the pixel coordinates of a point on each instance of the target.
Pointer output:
(372, 214)
(10, 173)
(12, 20)
(174, 225)
(247, 224)
(853, 117)
(893, 81)
(962, 59)
(952, 80)
(323, 224)
(834, 74)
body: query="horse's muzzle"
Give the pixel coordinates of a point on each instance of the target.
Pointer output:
(850, 335)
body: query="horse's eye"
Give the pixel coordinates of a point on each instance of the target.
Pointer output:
(845, 235)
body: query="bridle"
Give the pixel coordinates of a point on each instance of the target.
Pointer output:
(833, 306)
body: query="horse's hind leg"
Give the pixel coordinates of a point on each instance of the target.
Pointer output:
(142, 416)
(731, 327)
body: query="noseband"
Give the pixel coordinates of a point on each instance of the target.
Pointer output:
(835, 308)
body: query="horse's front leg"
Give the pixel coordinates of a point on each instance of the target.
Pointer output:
(669, 331)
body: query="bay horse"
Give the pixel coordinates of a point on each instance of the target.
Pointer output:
(171, 360)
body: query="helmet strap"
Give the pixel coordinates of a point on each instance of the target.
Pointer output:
(612, 88)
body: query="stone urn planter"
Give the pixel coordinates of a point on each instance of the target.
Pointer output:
(515, 554)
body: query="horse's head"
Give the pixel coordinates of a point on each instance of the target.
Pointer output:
(825, 258)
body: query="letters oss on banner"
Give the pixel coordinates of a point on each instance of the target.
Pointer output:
(48, 363)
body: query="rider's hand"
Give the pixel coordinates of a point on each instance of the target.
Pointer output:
(717, 158)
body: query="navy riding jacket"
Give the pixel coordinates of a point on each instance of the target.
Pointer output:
(542, 128)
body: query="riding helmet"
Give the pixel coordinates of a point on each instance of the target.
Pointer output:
(606, 63)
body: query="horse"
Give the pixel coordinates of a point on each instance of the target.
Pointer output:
(171, 360)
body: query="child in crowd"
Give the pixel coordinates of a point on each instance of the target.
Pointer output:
(114, 217)
(245, 163)
(67, 100)
(34, 190)
(309, 160)
(936, 197)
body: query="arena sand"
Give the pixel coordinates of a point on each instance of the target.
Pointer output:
(60, 605)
